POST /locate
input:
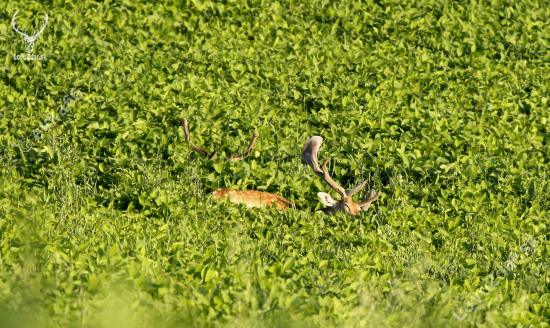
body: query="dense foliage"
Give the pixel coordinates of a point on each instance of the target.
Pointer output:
(106, 220)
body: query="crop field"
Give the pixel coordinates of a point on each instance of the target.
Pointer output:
(106, 213)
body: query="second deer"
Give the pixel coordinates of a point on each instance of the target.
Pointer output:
(251, 198)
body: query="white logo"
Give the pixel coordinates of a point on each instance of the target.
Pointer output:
(29, 40)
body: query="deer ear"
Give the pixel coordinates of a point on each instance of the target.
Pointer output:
(326, 199)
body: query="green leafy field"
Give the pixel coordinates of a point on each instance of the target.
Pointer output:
(106, 221)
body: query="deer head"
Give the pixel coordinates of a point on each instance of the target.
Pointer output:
(231, 158)
(309, 157)
(29, 40)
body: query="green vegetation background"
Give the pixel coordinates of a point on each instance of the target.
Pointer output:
(107, 221)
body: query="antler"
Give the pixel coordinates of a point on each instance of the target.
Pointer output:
(188, 140)
(309, 157)
(15, 27)
(248, 150)
(371, 197)
(42, 29)
(231, 158)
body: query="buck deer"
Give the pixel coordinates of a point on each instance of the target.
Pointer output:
(253, 198)
(29, 40)
(309, 157)
(250, 198)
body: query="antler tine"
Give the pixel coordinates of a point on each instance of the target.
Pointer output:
(43, 26)
(356, 189)
(188, 140)
(14, 25)
(231, 158)
(248, 150)
(371, 197)
(333, 184)
(309, 153)
(309, 157)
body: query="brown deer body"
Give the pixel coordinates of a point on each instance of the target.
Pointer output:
(253, 198)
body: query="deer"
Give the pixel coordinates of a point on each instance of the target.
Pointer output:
(29, 40)
(309, 157)
(251, 198)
